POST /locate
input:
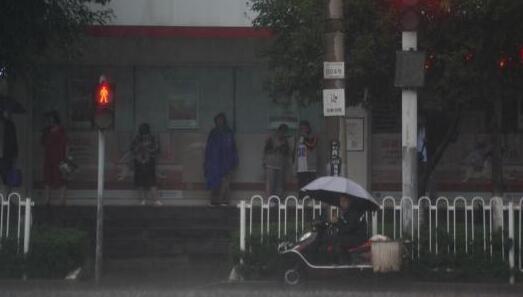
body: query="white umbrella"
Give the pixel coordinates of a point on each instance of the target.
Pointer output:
(329, 188)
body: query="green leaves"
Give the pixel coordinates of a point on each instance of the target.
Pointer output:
(450, 29)
(297, 53)
(30, 27)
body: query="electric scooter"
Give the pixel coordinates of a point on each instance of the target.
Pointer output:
(313, 251)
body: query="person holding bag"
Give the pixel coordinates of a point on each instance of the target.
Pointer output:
(145, 149)
(54, 141)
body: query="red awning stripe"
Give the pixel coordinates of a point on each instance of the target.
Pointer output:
(180, 32)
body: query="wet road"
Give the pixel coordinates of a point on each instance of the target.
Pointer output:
(208, 278)
(255, 289)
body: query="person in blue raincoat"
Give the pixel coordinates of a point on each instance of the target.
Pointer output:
(221, 158)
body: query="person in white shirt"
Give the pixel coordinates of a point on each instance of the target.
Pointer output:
(305, 155)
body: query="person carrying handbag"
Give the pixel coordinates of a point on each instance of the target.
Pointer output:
(54, 141)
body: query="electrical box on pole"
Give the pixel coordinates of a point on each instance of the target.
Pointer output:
(410, 69)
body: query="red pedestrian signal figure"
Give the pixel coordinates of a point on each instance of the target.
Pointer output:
(103, 94)
(103, 104)
(469, 57)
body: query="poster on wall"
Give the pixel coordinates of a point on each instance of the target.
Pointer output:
(355, 134)
(182, 106)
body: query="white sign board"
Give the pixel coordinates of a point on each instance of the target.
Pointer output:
(334, 102)
(334, 70)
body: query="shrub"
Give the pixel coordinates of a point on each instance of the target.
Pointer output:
(54, 252)
(11, 260)
(476, 265)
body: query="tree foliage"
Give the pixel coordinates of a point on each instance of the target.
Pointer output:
(468, 38)
(297, 53)
(450, 30)
(30, 27)
(465, 40)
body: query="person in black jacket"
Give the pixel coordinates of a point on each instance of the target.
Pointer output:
(9, 146)
(352, 228)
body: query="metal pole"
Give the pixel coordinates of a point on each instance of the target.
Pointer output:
(242, 226)
(374, 222)
(511, 259)
(27, 224)
(99, 207)
(409, 117)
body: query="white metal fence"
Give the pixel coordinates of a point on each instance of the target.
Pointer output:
(15, 220)
(466, 223)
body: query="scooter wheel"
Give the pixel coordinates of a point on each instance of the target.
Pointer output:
(292, 277)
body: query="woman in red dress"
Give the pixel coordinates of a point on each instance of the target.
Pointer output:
(55, 146)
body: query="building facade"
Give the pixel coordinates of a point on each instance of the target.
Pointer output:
(175, 64)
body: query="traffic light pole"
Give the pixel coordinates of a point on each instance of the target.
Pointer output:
(99, 207)
(409, 132)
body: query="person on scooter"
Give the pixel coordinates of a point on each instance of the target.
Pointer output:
(352, 229)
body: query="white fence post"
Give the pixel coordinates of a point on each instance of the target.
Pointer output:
(374, 223)
(520, 206)
(442, 205)
(2, 216)
(27, 224)
(242, 226)
(511, 259)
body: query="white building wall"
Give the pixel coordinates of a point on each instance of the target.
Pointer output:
(199, 13)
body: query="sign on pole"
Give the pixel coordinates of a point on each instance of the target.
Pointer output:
(334, 102)
(334, 70)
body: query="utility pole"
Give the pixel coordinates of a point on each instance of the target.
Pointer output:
(409, 138)
(334, 79)
(410, 75)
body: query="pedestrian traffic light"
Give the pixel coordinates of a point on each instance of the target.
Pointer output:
(103, 116)
(468, 57)
(503, 62)
(408, 13)
(429, 62)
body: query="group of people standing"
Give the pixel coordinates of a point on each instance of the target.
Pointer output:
(278, 156)
(221, 158)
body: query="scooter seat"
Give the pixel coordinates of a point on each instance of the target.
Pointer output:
(362, 248)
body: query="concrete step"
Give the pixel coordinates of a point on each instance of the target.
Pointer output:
(131, 232)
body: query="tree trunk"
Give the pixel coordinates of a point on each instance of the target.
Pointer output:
(434, 160)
